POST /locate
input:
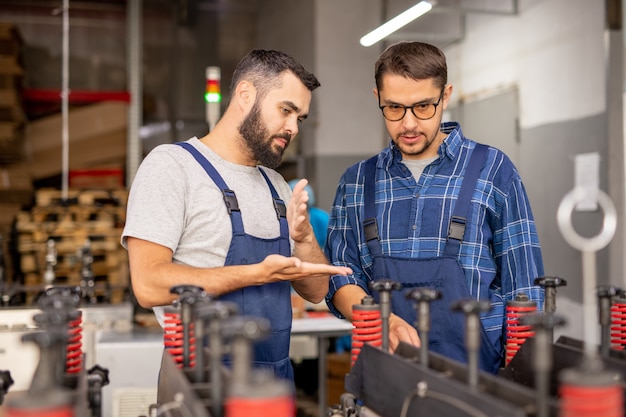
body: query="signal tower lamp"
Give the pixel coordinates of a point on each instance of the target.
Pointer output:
(212, 96)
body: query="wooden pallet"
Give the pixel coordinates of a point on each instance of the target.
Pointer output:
(68, 238)
(70, 220)
(96, 198)
(104, 261)
(81, 216)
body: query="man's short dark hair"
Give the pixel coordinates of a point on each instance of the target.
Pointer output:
(264, 67)
(413, 60)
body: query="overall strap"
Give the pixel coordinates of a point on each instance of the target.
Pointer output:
(456, 230)
(370, 226)
(279, 206)
(230, 199)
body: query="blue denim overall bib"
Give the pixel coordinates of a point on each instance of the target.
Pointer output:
(444, 273)
(271, 301)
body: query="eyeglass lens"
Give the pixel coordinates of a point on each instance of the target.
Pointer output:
(421, 111)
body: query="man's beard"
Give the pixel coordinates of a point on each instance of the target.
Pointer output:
(259, 141)
(413, 150)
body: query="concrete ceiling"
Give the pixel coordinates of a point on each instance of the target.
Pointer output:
(444, 25)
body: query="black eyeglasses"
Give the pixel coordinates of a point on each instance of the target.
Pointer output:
(423, 111)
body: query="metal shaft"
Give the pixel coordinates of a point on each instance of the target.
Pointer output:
(198, 329)
(215, 360)
(424, 328)
(185, 317)
(589, 304)
(241, 350)
(384, 287)
(385, 312)
(605, 301)
(472, 340)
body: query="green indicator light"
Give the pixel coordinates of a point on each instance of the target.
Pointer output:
(212, 97)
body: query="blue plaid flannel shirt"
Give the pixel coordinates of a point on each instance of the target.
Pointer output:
(502, 256)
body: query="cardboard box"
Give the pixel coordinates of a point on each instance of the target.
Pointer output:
(12, 143)
(8, 214)
(11, 109)
(338, 366)
(16, 185)
(96, 136)
(11, 41)
(335, 387)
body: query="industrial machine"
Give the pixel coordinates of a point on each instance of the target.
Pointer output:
(411, 381)
(206, 367)
(540, 378)
(194, 377)
(61, 385)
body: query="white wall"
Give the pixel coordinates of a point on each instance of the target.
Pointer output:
(350, 121)
(553, 50)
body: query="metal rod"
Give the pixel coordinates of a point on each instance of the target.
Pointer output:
(385, 312)
(473, 345)
(185, 315)
(215, 363)
(133, 141)
(198, 330)
(65, 76)
(590, 306)
(424, 327)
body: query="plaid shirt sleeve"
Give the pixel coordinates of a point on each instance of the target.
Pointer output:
(343, 245)
(516, 247)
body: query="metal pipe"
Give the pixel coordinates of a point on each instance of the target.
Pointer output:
(65, 76)
(135, 41)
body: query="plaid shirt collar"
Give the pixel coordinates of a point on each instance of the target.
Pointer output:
(449, 148)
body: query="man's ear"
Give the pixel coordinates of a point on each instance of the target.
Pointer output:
(245, 94)
(375, 90)
(447, 93)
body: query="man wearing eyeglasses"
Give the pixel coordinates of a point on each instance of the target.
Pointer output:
(403, 215)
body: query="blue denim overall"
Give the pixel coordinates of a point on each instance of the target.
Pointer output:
(447, 334)
(271, 301)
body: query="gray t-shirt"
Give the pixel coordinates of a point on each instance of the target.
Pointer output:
(417, 166)
(173, 202)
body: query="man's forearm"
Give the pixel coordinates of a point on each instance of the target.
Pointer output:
(346, 297)
(315, 287)
(310, 252)
(152, 284)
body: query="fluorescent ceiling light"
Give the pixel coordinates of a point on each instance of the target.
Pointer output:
(396, 23)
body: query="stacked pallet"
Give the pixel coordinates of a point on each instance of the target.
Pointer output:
(16, 185)
(85, 227)
(11, 110)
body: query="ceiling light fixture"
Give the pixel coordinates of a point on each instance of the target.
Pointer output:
(396, 23)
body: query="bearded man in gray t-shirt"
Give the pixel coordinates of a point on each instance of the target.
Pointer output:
(179, 229)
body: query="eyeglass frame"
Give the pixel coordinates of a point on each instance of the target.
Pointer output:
(382, 108)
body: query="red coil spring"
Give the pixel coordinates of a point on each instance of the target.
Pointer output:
(516, 334)
(260, 407)
(591, 401)
(618, 326)
(74, 359)
(173, 339)
(368, 328)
